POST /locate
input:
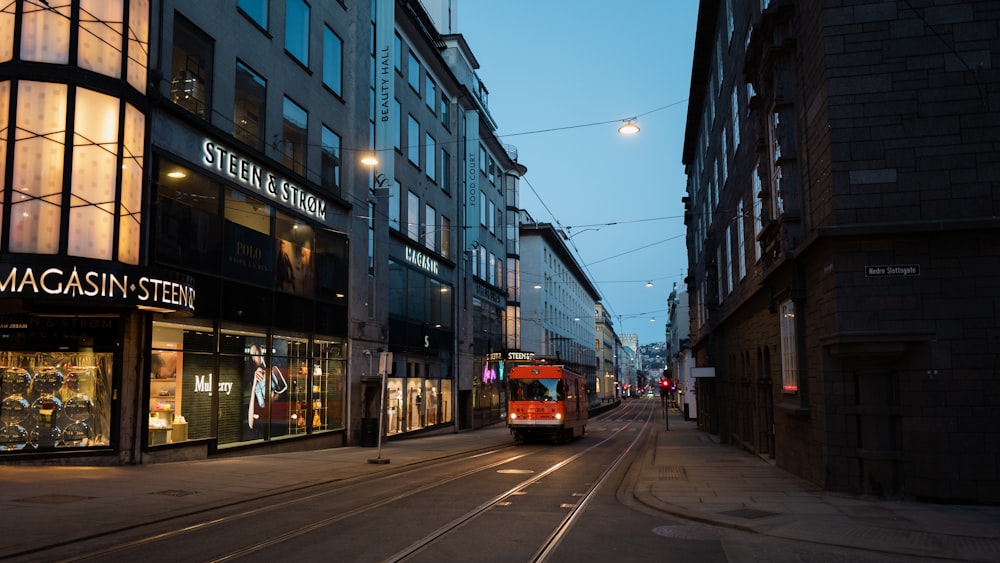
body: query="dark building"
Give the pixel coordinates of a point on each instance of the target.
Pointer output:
(844, 247)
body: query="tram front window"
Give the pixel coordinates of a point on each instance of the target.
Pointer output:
(537, 390)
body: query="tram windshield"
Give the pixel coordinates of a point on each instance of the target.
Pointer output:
(537, 390)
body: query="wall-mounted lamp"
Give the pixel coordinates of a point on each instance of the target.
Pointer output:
(629, 127)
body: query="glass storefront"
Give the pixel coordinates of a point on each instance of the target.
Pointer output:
(266, 358)
(423, 398)
(56, 382)
(266, 388)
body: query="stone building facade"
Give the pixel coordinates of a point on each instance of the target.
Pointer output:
(843, 240)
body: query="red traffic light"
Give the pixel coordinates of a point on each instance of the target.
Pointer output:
(665, 383)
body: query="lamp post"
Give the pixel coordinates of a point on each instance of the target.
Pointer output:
(385, 358)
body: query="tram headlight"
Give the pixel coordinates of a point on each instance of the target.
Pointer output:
(558, 416)
(513, 415)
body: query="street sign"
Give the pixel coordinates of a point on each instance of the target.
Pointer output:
(892, 270)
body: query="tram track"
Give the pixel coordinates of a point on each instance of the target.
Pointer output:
(394, 489)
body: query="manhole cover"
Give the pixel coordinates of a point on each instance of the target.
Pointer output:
(749, 513)
(53, 499)
(685, 532)
(174, 493)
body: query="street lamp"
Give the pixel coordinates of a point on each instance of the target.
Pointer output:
(629, 127)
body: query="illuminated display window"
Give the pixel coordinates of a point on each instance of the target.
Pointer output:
(75, 153)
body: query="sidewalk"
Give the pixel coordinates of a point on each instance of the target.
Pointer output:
(683, 472)
(688, 474)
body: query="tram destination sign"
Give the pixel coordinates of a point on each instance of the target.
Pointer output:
(892, 270)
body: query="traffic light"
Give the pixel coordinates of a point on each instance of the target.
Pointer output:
(664, 386)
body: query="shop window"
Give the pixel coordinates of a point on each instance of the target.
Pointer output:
(294, 127)
(138, 43)
(36, 209)
(789, 349)
(97, 220)
(328, 386)
(100, 43)
(294, 271)
(249, 106)
(189, 228)
(95, 158)
(182, 383)
(6, 34)
(330, 266)
(248, 251)
(45, 34)
(287, 388)
(191, 63)
(55, 399)
(130, 204)
(290, 372)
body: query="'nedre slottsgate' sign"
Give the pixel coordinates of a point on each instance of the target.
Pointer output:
(892, 270)
(160, 290)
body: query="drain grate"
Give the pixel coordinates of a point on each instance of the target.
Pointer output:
(53, 499)
(749, 513)
(174, 493)
(671, 473)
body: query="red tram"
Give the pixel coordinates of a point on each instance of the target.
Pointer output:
(546, 401)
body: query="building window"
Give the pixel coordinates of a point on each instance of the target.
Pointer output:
(445, 237)
(741, 264)
(413, 140)
(430, 227)
(482, 208)
(789, 352)
(397, 50)
(191, 61)
(249, 106)
(394, 190)
(413, 71)
(297, 30)
(430, 156)
(330, 156)
(430, 93)
(398, 131)
(445, 171)
(256, 10)
(413, 216)
(189, 227)
(443, 110)
(728, 260)
(99, 218)
(333, 62)
(293, 135)
(758, 211)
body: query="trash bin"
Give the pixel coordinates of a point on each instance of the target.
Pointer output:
(369, 432)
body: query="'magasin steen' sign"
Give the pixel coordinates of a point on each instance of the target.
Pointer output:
(161, 291)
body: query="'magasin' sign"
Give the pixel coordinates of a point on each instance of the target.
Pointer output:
(161, 291)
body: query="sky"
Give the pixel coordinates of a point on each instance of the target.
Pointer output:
(562, 76)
